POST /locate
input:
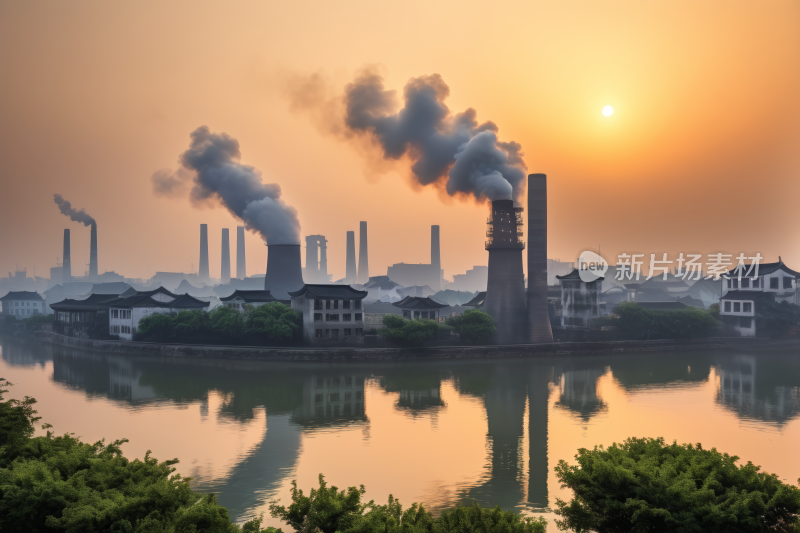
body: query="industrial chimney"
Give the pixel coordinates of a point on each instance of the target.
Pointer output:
(66, 265)
(363, 255)
(351, 274)
(284, 271)
(436, 257)
(93, 254)
(203, 273)
(312, 261)
(225, 263)
(241, 262)
(505, 289)
(538, 316)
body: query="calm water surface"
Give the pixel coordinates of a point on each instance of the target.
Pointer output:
(436, 432)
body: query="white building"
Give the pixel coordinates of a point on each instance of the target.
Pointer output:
(331, 313)
(415, 307)
(22, 304)
(580, 301)
(738, 305)
(125, 312)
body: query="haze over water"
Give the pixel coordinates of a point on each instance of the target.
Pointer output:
(438, 432)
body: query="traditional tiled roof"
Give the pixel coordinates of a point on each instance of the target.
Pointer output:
(763, 269)
(21, 295)
(477, 301)
(249, 296)
(417, 302)
(329, 292)
(575, 275)
(92, 303)
(114, 287)
(748, 295)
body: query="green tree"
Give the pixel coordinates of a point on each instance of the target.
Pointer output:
(637, 323)
(775, 319)
(274, 322)
(645, 485)
(227, 324)
(474, 326)
(195, 324)
(157, 326)
(408, 332)
(476, 519)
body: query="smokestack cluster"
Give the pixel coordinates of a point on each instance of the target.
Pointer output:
(203, 269)
(316, 259)
(363, 255)
(80, 215)
(66, 265)
(241, 262)
(225, 261)
(212, 163)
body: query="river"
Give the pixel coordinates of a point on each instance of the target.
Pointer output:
(438, 432)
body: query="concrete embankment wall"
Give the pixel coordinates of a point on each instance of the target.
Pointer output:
(378, 354)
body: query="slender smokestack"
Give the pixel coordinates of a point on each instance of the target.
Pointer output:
(225, 264)
(436, 258)
(363, 255)
(284, 271)
(312, 261)
(351, 274)
(66, 266)
(505, 290)
(538, 316)
(93, 254)
(204, 252)
(241, 262)
(323, 259)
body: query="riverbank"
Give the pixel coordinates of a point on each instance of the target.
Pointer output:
(345, 353)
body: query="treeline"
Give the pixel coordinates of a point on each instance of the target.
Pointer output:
(58, 483)
(634, 322)
(473, 327)
(271, 323)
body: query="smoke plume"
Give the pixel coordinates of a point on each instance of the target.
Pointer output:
(212, 164)
(74, 214)
(451, 150)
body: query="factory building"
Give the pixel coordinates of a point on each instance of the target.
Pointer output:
(331, 313)
(421, 273)
(351, 270)
(22, 304)
(316, 270)
(580, 301)
(473, 280)
(415, 307)
(239, 298)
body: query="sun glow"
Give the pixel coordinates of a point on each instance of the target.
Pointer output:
(608, 111)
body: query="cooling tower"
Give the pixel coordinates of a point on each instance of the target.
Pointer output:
(225, 262)
(538, 316)
(93, 254)
(351, 272)
(284, 271)
(505, 289)
(241, 261)
(66, 264)
(363, 255)
(436, 257)
(203, 273)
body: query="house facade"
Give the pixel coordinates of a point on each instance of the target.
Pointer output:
(22, 304)
(580, 301)
(126, 311)
(414, 307)
(331, 313)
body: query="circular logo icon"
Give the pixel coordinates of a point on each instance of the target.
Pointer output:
(591, 266)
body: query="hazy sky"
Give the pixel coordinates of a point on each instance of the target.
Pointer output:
(701, 154)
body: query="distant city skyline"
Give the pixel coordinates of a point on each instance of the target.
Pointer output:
(700, 153)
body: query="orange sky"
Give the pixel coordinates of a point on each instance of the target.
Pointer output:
(701, 153)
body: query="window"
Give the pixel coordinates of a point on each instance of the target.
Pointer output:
(416, 314)
(345, 304)
(317, 305)
(348, 381)
(358, 394)
(347, 332)
(333, 317)
(317, 317)
(348, 396)
(756, 283)
(773, 283)
(745, 283)
(737, 307)
(735, 283)
(727, 307)
(319, 333)
(334, 396)
(359, 331)
(346, 317)
(787, 283)
(358, 304)
(336, 304)
(335, 333)
(747, 307)
(424, 314)
(358, 317)
(327, 304)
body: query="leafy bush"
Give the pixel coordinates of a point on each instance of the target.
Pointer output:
(645, 485)
(226, 324)
(50, 484)
(157, 326)
(329, 510)
(194, 324)
(474, 326)
(408, 332)
(637, 323)
(273, 322)
(777, 319)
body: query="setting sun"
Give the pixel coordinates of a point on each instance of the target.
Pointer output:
(608, 111)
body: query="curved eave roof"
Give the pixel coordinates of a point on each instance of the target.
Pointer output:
(250, 296)
(418, 302)
(331, 292)
(575, 276)
(22, 295)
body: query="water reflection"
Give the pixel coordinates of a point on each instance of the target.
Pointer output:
(520, 400)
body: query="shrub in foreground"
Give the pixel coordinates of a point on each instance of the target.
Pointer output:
(329, 510)
(474, 326)
(637, 323)
(646, 485)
